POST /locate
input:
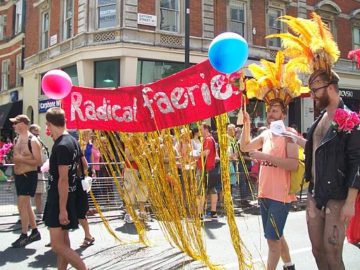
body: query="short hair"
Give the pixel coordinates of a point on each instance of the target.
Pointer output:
(34, 127)
(206, 126)
(230, 125)
(280, 102)
(323, 75)
(56, 116)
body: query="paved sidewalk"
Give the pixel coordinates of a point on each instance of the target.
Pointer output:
(106, 253)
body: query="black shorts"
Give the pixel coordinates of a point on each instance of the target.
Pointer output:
(82, 201)
(213, 178)
(26, 183)
(52, 211)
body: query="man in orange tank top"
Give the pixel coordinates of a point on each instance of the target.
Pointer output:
(279, 156)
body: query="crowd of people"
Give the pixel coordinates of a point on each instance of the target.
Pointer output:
(330, 204)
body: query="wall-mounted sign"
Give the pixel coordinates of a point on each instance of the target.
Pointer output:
(14, 96)
(46, 104)
(146, 19)
(53, 40)
(349, 93)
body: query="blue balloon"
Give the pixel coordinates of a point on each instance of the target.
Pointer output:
(228, 52)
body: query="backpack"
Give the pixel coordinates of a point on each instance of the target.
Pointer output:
(45, 151)
(297, 177)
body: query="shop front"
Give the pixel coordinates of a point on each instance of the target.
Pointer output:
(7, 111)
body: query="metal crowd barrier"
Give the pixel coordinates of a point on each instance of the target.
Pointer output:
(105, 191)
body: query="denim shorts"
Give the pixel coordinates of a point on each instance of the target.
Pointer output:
(273, 215)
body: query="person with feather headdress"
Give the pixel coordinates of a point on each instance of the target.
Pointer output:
(332, 148)
(276, 84)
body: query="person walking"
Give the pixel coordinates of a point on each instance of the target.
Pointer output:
(26, 158)
(334, 184)
(278, 158)
(42, 179)
(60, 213)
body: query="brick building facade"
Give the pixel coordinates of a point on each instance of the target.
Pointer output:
(110, 43)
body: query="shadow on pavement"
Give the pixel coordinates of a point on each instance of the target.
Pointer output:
(144, 258)
(44, 261)
(212, 225)
(15, 255)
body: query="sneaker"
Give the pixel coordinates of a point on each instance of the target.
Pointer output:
(38, 217)
(34, 237)
(290, 267)
(213, 215)
(128, 219)
(22, 241)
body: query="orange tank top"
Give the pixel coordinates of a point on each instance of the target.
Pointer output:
(274, 182)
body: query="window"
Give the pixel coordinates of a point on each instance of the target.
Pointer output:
(330, 25)
(68, 18)
(2, 26)
(18, 17)
(18, 69)
(151, 71)
(5, 74)
(169, 15)
(237, 18)
(274, 27)
(356, 38)
(45, 30)
(106, 13)
(72, 72)
(107, 74)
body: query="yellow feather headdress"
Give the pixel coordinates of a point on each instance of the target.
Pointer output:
(274, 81)
(310, 46)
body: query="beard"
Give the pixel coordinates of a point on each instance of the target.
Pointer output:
(323, 101)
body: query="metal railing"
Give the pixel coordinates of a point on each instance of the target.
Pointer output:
(105, 191)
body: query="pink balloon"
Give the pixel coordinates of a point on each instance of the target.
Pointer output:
(56, 84)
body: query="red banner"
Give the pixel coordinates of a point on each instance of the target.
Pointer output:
(194, 94)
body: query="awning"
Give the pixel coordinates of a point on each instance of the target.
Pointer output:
(7, 111)
(4, 112)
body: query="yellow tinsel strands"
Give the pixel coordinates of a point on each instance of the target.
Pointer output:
(244, 256)
(113, 145)
(173, 199)
(97, 206)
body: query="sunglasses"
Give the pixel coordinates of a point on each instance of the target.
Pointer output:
(15, 123)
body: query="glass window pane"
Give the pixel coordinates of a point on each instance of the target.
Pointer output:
(169, 20)
(107, 16)
(106, 2)
(356, 35)
(234, 14)
(72, 72)
(107, 74)
(151, 71)
(170, 4)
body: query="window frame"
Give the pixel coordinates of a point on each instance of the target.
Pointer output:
(68, 20)
(140, 69)
(116, 4)
(178, 17)
(18, 17)
(18, 69)
(3, 19)
(5, 74)
(235, 4)
(45, 33)
(117, 72)
(277, 30)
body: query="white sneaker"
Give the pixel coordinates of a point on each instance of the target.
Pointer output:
(127, 219)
